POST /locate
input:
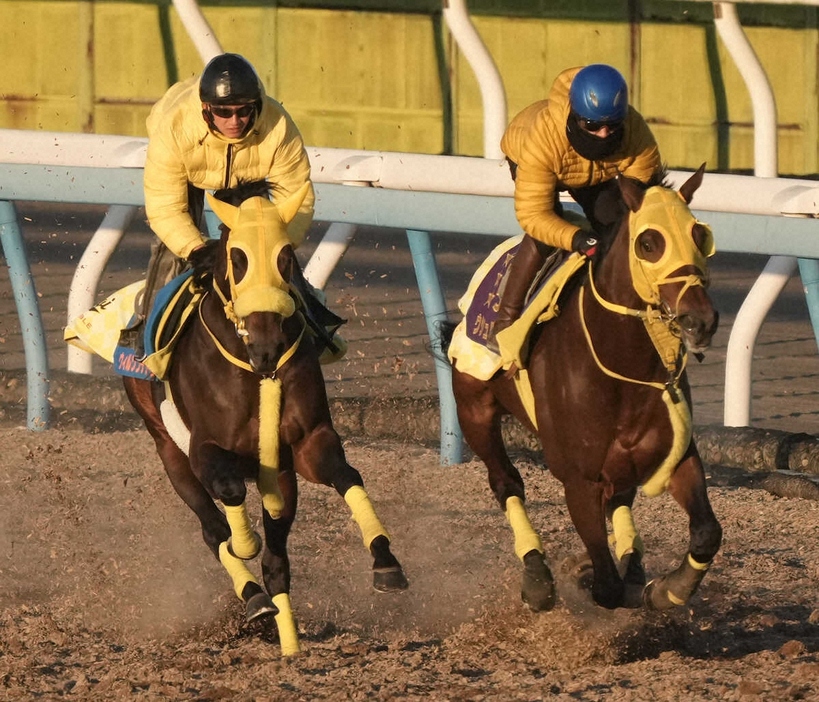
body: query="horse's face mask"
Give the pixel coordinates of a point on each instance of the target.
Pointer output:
(687, 242)
(258, 233)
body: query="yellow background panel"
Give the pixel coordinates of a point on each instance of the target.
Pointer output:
(371, 80)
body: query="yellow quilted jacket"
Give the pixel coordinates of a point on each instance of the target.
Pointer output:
(536, 141)
(182, 149)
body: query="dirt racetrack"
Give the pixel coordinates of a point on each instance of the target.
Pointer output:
(107, 592)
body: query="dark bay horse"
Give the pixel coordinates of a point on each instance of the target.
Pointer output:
(244, 399)
(611, 399)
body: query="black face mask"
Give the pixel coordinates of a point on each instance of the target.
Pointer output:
(589, 146)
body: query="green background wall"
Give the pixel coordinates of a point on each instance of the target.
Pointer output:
(355, 75)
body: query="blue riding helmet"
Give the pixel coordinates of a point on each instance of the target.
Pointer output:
(599, 94)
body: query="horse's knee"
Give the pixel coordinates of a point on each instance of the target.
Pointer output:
(229, 490)
(320, 459)
(220, 473)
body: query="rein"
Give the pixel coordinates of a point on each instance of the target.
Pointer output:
(658, 326)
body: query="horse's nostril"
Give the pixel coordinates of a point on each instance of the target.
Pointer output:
(689, 323)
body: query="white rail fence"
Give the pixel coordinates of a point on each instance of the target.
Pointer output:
(416, 192)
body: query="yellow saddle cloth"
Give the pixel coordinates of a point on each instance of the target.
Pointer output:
(479, 306)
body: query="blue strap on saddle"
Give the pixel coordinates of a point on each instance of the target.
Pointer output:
(163, 297)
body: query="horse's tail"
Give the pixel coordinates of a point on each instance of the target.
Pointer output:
(446, 329)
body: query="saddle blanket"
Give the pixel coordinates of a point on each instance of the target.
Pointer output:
(101, 329)
(480, 304)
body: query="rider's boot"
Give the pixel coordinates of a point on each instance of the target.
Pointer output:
(529, 259)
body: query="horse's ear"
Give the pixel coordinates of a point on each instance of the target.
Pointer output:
(690, 186)
(226, 212)
(632, 190)
(290, 206)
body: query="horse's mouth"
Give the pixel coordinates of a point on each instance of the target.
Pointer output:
(697, 332)
(264, 363)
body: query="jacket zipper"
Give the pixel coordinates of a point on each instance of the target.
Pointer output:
(228, 165)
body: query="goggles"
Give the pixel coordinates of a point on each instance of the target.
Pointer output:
(591, 125)
(228, 112)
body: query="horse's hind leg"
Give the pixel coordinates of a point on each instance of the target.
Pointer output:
(688, 489)
(479, 415)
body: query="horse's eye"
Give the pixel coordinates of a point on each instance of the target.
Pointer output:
(239, 261)
(650, 245)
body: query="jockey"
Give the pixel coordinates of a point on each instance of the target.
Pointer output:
(213, 132)
(583, 135)
(209, 133)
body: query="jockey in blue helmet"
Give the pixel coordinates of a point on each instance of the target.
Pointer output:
(583, 135)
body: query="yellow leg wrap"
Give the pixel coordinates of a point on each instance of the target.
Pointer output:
(364, 514)
(696, 565)
(244, 541)
(286, 624)
(269, 421)
(526, 538)
(626, 538)
(236, 568)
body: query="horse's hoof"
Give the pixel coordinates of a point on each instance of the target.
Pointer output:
(390, 579)
(260, 606)
(580, 569)
(634, 579)
(655, 596)
(537, 588)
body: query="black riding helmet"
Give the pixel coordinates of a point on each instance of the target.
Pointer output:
(229, 79)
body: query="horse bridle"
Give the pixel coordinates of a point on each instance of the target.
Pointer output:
(264, 298)
(667, 212)
(242, 333)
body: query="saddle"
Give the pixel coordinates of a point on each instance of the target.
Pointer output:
(169, 315)
(479, 306)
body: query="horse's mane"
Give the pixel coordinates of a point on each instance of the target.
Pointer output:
(243, 191)
(609, 208)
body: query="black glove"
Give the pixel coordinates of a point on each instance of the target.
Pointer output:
(203, 258)
(585, 243)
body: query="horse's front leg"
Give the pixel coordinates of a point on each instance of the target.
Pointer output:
(688, 489)
(479, 414)
(223, 472)
(585, 500)
(628, 546)
(275, 561)
(215, 529)
(320, 458)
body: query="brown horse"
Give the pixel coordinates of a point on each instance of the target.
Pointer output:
(611, 399)
(244, 399)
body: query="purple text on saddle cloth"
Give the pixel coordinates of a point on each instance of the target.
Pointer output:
(482, 312)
